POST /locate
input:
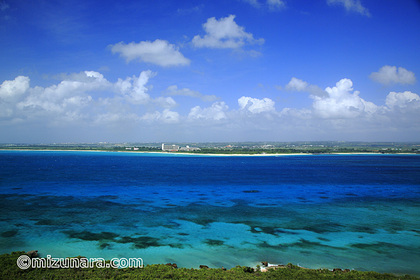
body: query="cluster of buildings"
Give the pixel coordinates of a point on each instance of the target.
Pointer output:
(177, 148)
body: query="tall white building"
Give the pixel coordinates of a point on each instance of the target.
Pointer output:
(170, 148)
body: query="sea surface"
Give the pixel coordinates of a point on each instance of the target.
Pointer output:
(318, 211)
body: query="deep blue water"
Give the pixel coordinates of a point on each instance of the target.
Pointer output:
(348, 211)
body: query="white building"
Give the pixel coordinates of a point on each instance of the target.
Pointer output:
(170, 148)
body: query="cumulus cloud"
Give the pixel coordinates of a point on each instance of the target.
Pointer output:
(224, 33)
(406, 99)
(351, 6)
(74, 99)
(391, 74)
(134, 88)
(158, 52)
(342, 102)
(217, 111)
(92, 104)
(11, 90)
(174, 91)
(255, 105)
(67, 97)
(297, 85)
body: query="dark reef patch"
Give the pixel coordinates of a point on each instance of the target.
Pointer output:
(91, 236)
(383, 248)
(323, 227)
(108, 197)
(141, 242)
(105, 245)
(361, 228)
(9, 233)
(105, 239)
(323, 239)
(305, 244)
(268, 230)
(214, 242)
(204, 221)
(309, 245)
(172, 224)
(49, 222)
(264, 244)
(177, 245)
(351, 194)
(266, 204)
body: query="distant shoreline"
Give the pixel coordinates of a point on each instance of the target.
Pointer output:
(208, 154)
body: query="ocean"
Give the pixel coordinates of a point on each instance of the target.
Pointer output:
(318, 211)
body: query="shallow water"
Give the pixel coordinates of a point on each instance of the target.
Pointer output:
(348, 211)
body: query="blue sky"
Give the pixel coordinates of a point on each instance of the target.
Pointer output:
(195, 71)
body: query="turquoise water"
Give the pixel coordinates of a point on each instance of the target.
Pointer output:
(348, 211)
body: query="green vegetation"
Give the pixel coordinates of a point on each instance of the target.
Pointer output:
(84, 147)
(308, 148)
(10, 270)
(325, 147)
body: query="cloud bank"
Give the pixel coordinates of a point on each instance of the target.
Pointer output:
(175, 91)
(129, 110)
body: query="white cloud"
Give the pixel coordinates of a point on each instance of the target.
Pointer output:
(11, 90)
(87, 105)
(217, 112)
(297, 85)
(253, 3)
(342, 103)
(275, 4)
(66, 97)
(255, 105)
(224, 33)
(188, 11)
(351, 6)
(72, 99)
(165, 102)
(406, 99)
(271, 4)
(174, 91)
(391, 74)
(166, 116)
(158, 52)
(134, 89)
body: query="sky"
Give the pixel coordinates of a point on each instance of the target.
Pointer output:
(209, 71)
